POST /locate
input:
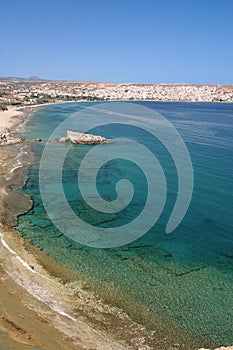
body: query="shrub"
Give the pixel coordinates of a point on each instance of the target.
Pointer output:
(3, 107)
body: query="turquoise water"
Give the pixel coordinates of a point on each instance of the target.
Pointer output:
(187, 274)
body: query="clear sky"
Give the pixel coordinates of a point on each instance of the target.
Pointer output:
(155, 41)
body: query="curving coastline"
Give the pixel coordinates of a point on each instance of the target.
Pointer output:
(38, 277)
(36, 317)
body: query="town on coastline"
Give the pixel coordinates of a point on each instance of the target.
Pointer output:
(17, 92)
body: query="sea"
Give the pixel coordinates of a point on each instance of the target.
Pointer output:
(186, 274)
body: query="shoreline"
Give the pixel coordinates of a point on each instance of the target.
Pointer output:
(40, 295)
(15, 257)
(10, 118)
(27, 270)
(33, 267)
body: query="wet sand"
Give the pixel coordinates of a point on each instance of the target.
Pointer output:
(26, 319)
(20, 326)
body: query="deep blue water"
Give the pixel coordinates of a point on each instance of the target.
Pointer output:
(187, 274)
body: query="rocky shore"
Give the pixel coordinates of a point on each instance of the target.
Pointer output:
(7, 138)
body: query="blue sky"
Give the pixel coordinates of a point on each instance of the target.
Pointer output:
(148, 41)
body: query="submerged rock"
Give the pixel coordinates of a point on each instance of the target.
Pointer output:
(83, 139)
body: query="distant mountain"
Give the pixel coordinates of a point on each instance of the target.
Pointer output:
(32, 78)
(35, 77)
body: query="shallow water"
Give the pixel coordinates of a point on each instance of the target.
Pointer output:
(187, 274)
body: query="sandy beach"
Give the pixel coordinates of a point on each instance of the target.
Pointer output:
(20, 326)
(15, 115)
(28, 322)
(11, 117)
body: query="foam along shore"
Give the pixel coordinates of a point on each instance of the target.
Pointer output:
(31, 314)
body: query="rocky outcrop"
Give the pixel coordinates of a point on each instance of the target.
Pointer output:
(7, 138)
(83, 139)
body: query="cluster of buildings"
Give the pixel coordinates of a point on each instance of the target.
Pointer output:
(164, 92)
(14, 92)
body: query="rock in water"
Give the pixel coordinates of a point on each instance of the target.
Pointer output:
(83, 139)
